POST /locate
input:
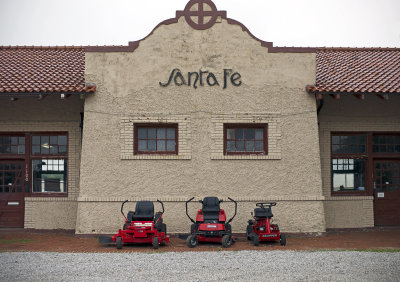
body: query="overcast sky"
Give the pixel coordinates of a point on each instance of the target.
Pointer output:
(301, 23)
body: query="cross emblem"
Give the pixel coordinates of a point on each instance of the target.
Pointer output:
(201, 14)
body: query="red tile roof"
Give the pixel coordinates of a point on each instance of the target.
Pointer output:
(357, 70)
(43, 70)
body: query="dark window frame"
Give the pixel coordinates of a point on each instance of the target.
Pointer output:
(48, 157)
(28, 158)
(263, 126)
(363, 156)
(156, 126)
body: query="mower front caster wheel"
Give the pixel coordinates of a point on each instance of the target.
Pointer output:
(155, 243)
(283, 240)
(191, 241)
(119, 243)
(226, 241)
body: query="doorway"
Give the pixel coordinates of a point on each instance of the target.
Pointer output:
(12, 193)
(387, 192)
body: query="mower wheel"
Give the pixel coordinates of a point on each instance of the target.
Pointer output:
(283, 240)
(228, 228)
(256, 240)
(155, 243)
(191, 241)
(226, 241)
(119, 243)
(249, 231)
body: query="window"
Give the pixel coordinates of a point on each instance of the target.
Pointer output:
(245, 139)
(386, 144)
(49, 163)
(12, 145)
(348, 174)
(349, 162)
(156, 139)
(49, 145)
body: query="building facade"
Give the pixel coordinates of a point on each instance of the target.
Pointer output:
(200, 107)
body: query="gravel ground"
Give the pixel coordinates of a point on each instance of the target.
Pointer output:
(201, 266)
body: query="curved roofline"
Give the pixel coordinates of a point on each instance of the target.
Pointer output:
(132, 45)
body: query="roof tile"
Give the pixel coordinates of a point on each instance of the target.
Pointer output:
(355, 70)
(43, 69)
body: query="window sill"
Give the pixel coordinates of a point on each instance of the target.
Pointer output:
(276, 156)
(48, 195)
(155, 157)
(348, 193)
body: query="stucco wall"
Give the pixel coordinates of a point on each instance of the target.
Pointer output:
(273, 89)
(50, 114)
(352, 115)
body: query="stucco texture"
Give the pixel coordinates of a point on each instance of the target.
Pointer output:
(128, 87)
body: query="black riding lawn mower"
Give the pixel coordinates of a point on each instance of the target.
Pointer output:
(210, 224)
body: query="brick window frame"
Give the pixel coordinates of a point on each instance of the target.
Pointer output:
(245, 126)
(157, 126)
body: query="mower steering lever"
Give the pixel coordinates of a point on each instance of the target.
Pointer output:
(191, 219)
(122, 209)
(162, 205)
(229, 221)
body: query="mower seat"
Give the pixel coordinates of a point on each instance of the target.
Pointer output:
(144, 211)
(211, 208)
(263, 212)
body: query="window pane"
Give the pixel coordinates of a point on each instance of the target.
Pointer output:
(36, 140)
(45, 149)
(142, 133)
(250, 133)
(62, 149)
(35, 150)
(161, 133)
(240, 146)
(230, 146)
(62, 140)
(239, 133)
(171, 146)
(45, 140)
(142, 145)
(335, 140)
(230, 133)
(151, 133)
(171, 133)
(249, 146)
(260, 134)
(259, 146)
(151, 145)
(161, 146)
(21, 140)
(53, 150)
(335, 149)
(21, 149)
(14, 140)
(53, 140)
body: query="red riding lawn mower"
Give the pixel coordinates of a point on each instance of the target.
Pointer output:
(141, 226)
(210, 224)
(261, 229)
